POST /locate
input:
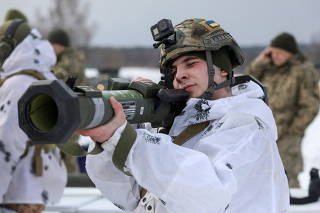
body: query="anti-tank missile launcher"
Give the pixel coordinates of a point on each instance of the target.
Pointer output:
(50, 111)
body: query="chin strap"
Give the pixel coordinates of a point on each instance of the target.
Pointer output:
(213, 86)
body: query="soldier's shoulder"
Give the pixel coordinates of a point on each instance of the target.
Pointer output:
(73, 52)
(306, 70)
(305, 66)
(70, 50)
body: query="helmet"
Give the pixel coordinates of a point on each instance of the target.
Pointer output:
(200, 35)
(15, 14)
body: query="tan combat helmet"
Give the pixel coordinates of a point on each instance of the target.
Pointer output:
(201, 35)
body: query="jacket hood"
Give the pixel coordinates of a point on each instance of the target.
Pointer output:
(33, 53)
(247, 99)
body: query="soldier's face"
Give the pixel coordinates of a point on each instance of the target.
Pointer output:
(280, 56)
(190, 73)
(57, 48)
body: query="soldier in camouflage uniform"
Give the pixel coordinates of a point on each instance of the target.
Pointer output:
(292, 85)
(70, 63)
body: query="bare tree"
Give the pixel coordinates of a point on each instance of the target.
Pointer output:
(315, 50)
(69, 15)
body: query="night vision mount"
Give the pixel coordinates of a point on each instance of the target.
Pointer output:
(163, 33)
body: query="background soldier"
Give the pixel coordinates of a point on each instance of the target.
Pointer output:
(70, 61)
(31, 175)
(292, 85)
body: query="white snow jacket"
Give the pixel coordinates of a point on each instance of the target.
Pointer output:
(18, 182)
(233, 166)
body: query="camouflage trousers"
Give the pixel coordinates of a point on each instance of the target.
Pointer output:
(290, 152)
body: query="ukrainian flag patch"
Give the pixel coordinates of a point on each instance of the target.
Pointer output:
(212, 24)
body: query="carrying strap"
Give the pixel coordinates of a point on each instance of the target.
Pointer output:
(123, 148)
(37, 75)
(183, 137)
(189, 132)
(37, 162)
(76, 150)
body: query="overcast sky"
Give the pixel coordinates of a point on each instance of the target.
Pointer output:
(123, 23)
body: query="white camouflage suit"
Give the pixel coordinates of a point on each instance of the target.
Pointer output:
(233, 166)
(18, 182)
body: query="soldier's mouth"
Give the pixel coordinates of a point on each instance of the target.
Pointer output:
(188, 87)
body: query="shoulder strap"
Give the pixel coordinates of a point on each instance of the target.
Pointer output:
(37, 75)
(189, 132)
(37, 162)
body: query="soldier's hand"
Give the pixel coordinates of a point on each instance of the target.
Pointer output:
(265, 56)
(104, 132)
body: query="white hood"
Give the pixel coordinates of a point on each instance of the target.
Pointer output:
(19, 185)
(244, 95)
(41, 59)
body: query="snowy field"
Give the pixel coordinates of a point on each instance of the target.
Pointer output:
(310, 151)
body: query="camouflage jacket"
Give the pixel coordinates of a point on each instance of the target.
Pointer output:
(70, 62)
(293, 93)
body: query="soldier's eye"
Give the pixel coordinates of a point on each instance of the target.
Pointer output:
(191, 63)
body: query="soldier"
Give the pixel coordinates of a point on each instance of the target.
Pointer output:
(31, 175)
(70, 63)
(228, 160)
(292, 86)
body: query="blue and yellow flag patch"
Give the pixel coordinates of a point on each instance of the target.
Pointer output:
(212, 24)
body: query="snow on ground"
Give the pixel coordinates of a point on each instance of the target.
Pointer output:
(310, 150)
